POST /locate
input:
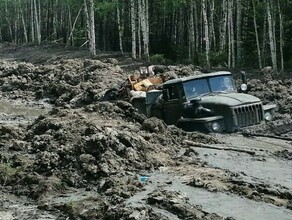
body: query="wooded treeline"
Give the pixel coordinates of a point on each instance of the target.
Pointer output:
(231, 33)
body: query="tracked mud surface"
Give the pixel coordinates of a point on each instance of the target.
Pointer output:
(65, 154)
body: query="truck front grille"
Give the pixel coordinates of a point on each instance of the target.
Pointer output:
(248, 115)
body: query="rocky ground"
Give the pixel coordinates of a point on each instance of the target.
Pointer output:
(65, 154)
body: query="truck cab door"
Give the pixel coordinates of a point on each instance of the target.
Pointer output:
(172, 107)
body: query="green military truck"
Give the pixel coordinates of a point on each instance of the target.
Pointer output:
(207, 102)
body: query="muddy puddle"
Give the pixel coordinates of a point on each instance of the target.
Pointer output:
(19, 112)
(225, 205)
(12, 207)
(256, 168)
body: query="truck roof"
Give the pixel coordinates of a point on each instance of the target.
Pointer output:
(203, 75)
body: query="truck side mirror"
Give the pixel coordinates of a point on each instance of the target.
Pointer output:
(165, 94)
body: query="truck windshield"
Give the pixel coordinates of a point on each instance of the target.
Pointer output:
(222, 84)
(198, 87)
(195, 88)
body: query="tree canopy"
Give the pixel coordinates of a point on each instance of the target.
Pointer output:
(230, 33)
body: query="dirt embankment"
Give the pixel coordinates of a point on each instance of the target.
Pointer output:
(88, 159)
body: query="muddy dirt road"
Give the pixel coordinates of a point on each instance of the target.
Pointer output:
(64, 154)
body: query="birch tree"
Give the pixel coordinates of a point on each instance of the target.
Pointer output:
(191, 29)
(120, 27)
(223, 26)
(272, 39)
(257, 35)
(206, 33)
(133, 28)
(37, 22)
(89, 12)
(281, 36)
(238, 30)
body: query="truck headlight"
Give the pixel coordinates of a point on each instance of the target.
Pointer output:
(268, 116)
(216, 126)
(243, 87)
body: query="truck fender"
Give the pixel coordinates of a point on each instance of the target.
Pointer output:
(269, 111)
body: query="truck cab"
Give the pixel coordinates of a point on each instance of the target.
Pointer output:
(207, 102)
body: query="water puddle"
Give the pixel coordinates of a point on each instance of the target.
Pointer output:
(15, 208)
(212, 202)
(270, 170)
(19, 112)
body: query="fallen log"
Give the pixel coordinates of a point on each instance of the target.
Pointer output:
(201, 145)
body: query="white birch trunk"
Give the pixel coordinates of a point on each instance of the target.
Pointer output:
(139, 39)
(196, 27)
(223, 26)
(89, 13)
(212, 27)
(147, 29)
(281, 36)
(120, 29)
(37, 23)
(55, 20)
(206, 33)
(191, 30)
(133, 29)
(71, 35)
(238, 31)
(32, 21)
(92, 46)
(231, 30)
(257, 36)
(8, 21)
(271, 38)
(143, 21)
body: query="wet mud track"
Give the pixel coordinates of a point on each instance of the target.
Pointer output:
(238, 177)
(231, 183)
(86, 159)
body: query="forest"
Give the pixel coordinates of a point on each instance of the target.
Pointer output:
(209, 33)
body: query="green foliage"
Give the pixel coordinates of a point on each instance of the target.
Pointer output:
(160, 58)
(170, 6)
(218, 58)
(105, 7)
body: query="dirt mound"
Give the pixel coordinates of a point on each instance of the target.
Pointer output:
(102, 148)
(79, 148)
(63, 81)
(274, 91)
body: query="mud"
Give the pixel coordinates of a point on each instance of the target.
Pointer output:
(65, 154)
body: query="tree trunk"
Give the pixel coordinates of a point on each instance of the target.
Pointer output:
(8, 22)
(231, 50)
(281, 36)
(191, 30)
(133, 28)
(144, 26)
(272, 39)
(89, 13)
(37, 23)
(32, 23)
(55, 32)
(120, 29)
(257, 35)
(212, 26)
(71, 35)
(238, 32)
(223, 26)
(206, 33)
(92, 28)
